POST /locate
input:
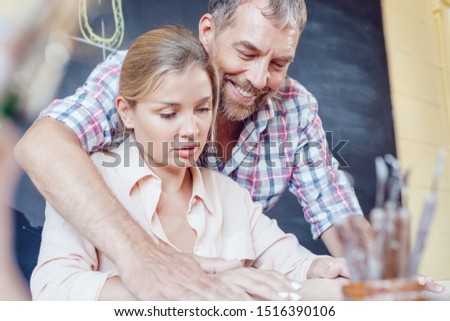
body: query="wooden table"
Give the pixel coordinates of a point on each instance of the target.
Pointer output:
(322, 289)
(331, 290)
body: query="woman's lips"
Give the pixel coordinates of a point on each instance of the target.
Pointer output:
(186, 151)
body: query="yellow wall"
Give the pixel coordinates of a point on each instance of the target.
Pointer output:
(417, 35)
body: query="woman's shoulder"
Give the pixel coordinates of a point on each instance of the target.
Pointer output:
(107, 161)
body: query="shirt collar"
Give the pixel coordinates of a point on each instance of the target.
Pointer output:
(267, 112)
(132, 166)
(262, 116)
(199, 191)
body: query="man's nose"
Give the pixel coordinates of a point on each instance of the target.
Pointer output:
(258, 74)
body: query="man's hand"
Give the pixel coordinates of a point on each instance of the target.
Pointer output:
(164, 274)
(213, 265)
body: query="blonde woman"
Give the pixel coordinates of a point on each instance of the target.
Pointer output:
(168, 98)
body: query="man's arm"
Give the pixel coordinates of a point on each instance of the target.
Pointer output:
(61, 170)
(324, 191)
(331, 240)
(115, 290)
(333, 243)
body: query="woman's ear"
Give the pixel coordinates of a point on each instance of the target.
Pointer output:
(206, 31)
(125, 112)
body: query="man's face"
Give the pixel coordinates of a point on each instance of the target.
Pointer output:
(252, 56)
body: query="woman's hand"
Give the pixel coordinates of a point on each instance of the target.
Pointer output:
(262, 284)
(329, 268)
(430, 284)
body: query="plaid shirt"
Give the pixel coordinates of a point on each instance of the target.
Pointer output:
(282, 146)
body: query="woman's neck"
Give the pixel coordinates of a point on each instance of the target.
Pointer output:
(173, 180)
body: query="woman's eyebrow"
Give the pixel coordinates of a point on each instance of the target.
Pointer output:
(204, 100)
(165, 104)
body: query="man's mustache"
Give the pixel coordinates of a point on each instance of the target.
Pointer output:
(246, 85)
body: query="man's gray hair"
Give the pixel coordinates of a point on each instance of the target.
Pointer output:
(283, 13)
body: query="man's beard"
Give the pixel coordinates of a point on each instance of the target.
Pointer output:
(237, 111)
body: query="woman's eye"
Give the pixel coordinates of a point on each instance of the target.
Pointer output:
(204, 109)
(167, 115)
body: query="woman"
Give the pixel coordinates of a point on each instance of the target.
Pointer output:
(167, 101)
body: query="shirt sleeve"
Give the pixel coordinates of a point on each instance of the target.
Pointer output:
(91, 112)
(323, 190)
(67, 264)
(273, 246)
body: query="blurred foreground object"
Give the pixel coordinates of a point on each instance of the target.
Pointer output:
(34, 49)
(383, 267)
(12, 285)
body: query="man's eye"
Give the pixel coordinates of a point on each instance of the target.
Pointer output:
(279, 66)
(247, 55)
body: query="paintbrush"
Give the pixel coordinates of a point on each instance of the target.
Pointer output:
(427, 215)
(377, 219)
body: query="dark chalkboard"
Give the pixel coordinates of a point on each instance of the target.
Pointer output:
(340, 59)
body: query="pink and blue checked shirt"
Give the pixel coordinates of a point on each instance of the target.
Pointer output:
(282, 146)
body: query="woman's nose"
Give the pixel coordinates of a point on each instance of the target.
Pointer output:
(189, 127)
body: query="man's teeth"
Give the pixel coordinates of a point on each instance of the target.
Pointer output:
(243, 92)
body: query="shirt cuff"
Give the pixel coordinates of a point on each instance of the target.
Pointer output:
(88, 130)
(89, 285)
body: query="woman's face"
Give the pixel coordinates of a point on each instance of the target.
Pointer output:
(173, 121)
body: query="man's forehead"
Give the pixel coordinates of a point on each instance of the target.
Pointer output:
(254, 11)
(259, 33)
(251, 6)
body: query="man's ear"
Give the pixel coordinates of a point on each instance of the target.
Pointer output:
(206, 30)
(125, 112)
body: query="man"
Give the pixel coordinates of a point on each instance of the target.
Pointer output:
(269, 138)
